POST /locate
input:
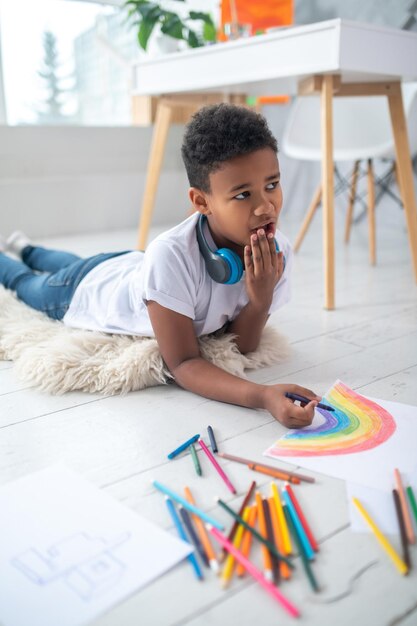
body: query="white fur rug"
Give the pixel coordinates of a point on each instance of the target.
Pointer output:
(49, 355)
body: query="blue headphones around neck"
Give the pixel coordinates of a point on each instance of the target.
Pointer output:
(223, 265)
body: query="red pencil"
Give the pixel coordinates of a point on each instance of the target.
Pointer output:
(303, 520)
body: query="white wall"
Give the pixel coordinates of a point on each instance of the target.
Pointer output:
(57, 180)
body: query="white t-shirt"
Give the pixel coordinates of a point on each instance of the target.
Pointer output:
(112, 297)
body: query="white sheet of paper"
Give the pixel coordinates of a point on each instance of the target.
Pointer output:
(71, 551)
(375, 467)
(378, 503)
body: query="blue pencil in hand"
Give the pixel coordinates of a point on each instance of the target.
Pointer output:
(304, 400)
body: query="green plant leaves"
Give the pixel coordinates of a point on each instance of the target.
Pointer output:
(192, 39)
(172, 26)
(147, 25)
(148, 14)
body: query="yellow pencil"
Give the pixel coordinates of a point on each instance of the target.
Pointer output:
(229, 563)
(247, 539)
(283, 567)
(398, 562)
(281, 519)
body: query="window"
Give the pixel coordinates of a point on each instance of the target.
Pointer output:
(66, 62)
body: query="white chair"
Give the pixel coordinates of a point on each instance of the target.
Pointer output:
(362, 132)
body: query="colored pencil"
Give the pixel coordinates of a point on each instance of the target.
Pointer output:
(191, 557)
(271, 537)
(266, 554)
(304, 559)
(298, 526)
(302, 518)
(212, 439)
(186, 519)
(256, 534)
(401, 525)
(204, 538)
(217, 466)
(244, 504)
(247, 539)
(284, 570)
(286, 539)
(183, 446)
(196, 462)
(239, 459)
(404, 506)
(257, 574)
(304, 400)
(398, 561)
(274, 473)
(229, 563)
(412, 501)
(190, 507)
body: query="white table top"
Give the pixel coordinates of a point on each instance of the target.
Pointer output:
(276, 62)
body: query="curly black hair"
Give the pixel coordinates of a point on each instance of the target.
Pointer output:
(218, 133)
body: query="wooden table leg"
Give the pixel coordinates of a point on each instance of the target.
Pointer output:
(404, 170)
(371, 214)
(159, 139)
(327, 189)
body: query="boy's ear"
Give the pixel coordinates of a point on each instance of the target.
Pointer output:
(199, 200)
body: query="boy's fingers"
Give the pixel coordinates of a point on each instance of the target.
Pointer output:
(272, 250)
(256, 255)
(302, 416)
(247, 257)
(265, 249)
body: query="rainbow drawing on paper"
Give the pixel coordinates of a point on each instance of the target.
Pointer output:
(356, 424)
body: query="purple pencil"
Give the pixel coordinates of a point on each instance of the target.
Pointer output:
(217, 466)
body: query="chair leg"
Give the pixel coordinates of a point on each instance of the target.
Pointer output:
(371, 213)
(349, 214)
(307, 220)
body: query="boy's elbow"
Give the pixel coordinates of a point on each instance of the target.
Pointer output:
(181, 368)
(245, 347)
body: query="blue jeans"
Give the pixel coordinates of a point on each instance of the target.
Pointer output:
(47, 279)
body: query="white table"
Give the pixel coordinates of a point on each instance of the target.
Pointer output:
(335, 58)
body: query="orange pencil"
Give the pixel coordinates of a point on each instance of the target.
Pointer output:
(274, 473)
(247, 540)
(202, 532)
(404, 507)
(279, 541)
(263, 530)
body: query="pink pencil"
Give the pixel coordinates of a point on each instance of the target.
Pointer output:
(217, 466)
(404, 507)
(254, 571)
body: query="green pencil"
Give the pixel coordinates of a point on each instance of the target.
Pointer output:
(412, 502)
(255, 533)
(306, 562)
(195, 460)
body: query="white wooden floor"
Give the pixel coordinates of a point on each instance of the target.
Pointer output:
(120, 444)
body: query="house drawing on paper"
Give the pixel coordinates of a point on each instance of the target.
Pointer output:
(86, 563)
